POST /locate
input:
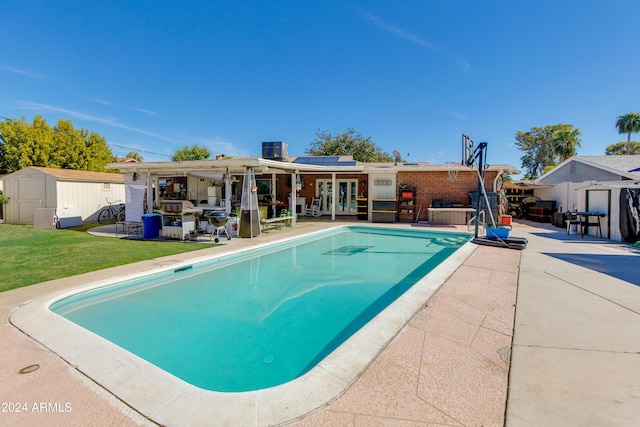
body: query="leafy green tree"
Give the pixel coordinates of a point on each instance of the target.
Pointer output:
(628, 123)
(622, 148)
(62, 146)
(545, 146)
(134, 155)
(190, 153)
(67, 146)
(9, 154)
(97, 153)
(347, 143)
(565, 142)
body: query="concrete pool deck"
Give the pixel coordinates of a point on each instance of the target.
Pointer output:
(575, 358)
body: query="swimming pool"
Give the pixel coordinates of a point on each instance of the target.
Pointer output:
(167, 400)
(264, 317)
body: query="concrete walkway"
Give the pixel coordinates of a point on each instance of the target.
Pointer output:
(576, 347)
(575, 357)
(449, 366)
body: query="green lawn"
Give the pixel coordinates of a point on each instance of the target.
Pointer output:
(29, 255)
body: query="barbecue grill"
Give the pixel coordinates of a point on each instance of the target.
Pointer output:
(178, 220)
(218, 220)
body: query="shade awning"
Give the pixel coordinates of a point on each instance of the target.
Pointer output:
(522, 185)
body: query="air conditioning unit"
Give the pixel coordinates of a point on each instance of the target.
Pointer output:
(275, 150)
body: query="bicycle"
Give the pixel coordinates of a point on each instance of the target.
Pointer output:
(111, 212)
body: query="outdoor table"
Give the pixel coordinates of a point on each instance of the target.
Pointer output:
(586, 222)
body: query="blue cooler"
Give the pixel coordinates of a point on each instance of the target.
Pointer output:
(151, 226)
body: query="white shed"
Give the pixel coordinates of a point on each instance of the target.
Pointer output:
(81, 191)
(622, 212)
(592, 183)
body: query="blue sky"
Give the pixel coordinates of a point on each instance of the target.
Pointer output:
(153, 76)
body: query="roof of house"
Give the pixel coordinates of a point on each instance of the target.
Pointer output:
(75, 175)
(620, 162)
(319, 164)
(627, 166)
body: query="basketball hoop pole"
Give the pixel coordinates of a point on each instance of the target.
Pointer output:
(479, 154)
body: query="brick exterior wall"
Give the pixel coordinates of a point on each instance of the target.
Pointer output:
(430, 185)
(435, 185)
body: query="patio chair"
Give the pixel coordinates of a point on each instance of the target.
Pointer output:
(573, 219)
(314, 208)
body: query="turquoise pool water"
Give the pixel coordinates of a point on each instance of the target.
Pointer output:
(266, 316)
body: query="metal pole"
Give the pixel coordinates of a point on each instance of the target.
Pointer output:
(479, 156)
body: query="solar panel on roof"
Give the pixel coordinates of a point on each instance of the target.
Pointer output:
(324, 161)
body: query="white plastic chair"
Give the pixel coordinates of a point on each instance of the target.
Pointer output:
(314, 208)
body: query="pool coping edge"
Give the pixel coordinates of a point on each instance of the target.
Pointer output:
(165, 399)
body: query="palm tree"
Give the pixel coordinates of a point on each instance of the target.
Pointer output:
(565, 142)
(134, 155)
(628, 123)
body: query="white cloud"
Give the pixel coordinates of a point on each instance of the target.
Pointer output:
(223, 147)
(111, 104)
(26, 73)
(454, 114)
(399, 32)
(216, 145)
(87, 117)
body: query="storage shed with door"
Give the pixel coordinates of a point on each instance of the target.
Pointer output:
(62, 189)
(594, 184)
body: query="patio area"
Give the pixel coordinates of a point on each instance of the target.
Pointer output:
(575, 357)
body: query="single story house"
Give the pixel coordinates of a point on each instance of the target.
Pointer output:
(379, 192)
(72, 192)
(594, 184)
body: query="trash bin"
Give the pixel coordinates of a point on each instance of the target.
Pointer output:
(559, 219)
(151, 226)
